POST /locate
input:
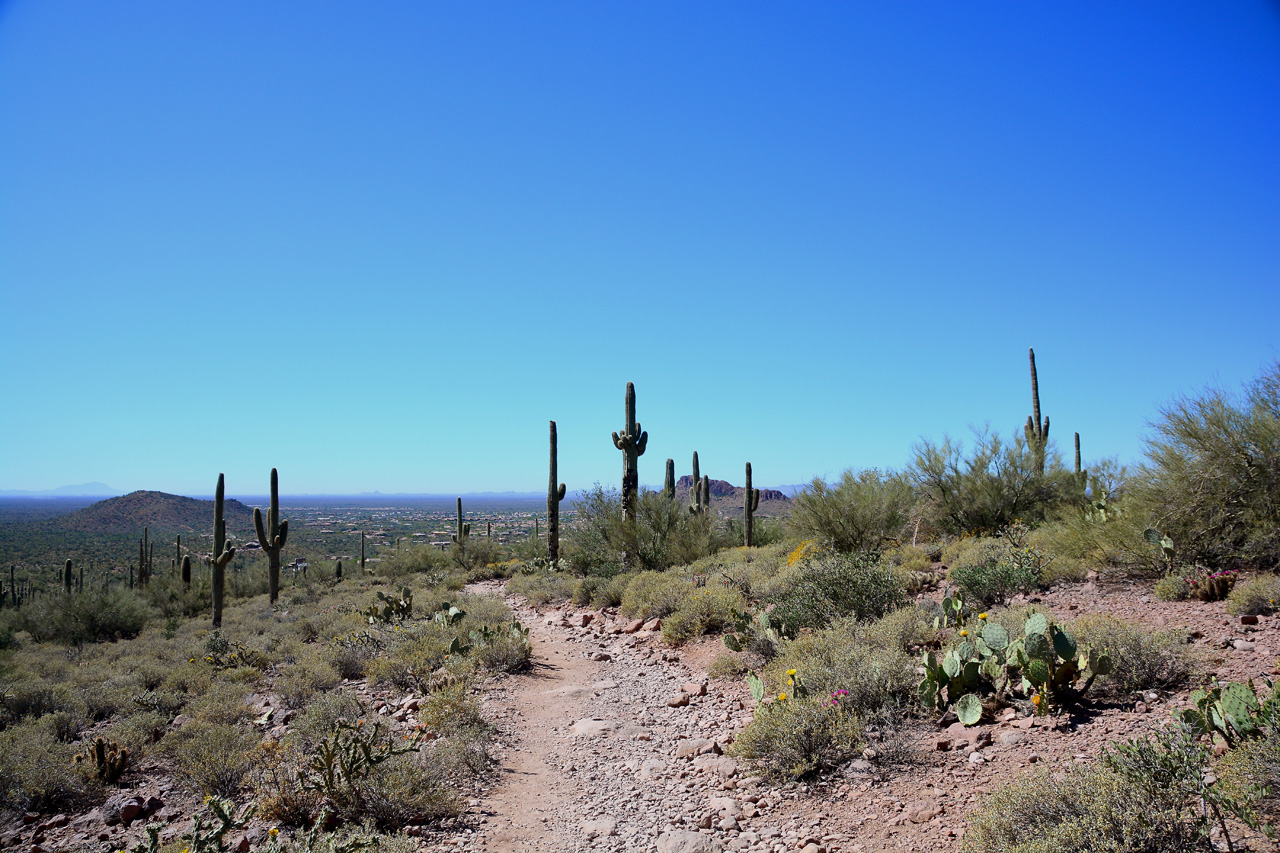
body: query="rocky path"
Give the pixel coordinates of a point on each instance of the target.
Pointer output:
(613, 743)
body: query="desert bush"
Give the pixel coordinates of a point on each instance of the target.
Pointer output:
(33, 698)
(1172, 587)
(599, 592)
(790, 738)
(214, 757)
(873, 678)
(1211, 481)
(37, 772)
(997, 569)
(905, 629)
(835, 585)
(1141, 659)
(1256, 596)
(509, 653)
(664, 534)
(431, 563)
(653, 594)
(476, 556)
(412, 657)
(297, 684)
(988, 489)
(88, 617)
(708, 610)
(402, 791)
(1254, 762)
(861, 512)
(137, 732)
(543, 585)
(321, 717)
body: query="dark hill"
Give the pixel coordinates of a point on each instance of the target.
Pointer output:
(157, 510)
(725, 489)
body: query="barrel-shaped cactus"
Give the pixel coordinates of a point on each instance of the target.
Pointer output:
(272, 537)
(105, 758)
(750, 503)
(222, 554)
(632, 441)
(555, 494)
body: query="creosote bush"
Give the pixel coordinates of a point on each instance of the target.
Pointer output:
(664, 534)
(835, 585)
(994, 570)
(212, 756)
(1141, 659)
(860, 512)
(1257, 596)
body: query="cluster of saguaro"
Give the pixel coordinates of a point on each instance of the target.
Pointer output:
(463, 530)
(222, 554)
(272, 537)
(750, 503)
(555, 494)
(632, 442)
(700, 491)
(1036, 429)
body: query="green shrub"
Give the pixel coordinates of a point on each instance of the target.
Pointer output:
(212, 756)
(791, 738)
(32, 698)
(321, 717)
(995, 570)
(299, 682)
(1254, 762)
(1141, 659)
(986, 491)
(653, 594)
(400, 792)
(1256, 596)
(835, 585)
(1212, 477)
(599, 592)
(88, 617)
(708, 610)
(861, 512)
(1173, 587)
(905, 629)
(37, 772)
(873, 677)
(664, 534)
(543, 587)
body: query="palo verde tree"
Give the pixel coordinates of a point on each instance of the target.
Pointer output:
(632, 442)
(272, 537)
(222, 554)
(555, 494)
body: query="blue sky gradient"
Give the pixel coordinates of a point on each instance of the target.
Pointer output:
(378, 246)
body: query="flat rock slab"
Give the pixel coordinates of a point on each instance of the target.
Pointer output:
(684, 841)
(594, 728)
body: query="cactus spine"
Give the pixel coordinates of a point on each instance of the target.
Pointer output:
(750, 503)
(66, 577)
(1036, 429)
(186, 573)
(669, 481)
(463, 531)
(272, 537)
(555, 494)
(222, 554)
(632, 442)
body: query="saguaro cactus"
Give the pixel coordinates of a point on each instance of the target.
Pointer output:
(272, 537)
(697, 501)
(555, 494)
(632, 442)
(144, 558)
(362, 550)
(66, 577)
(750, 503)
(463, 531)
(1036, 429)
(222, 554)
(337, 572)
(669, 482)
(1082, 476)
(186, 573)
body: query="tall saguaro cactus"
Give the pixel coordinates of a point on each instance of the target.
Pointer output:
(1037, 429)
(463, 531)
(555, 494)
(144, 558)
(669, 482)
(272, 537)
(361, 550)
(186, 572)
(1082, 476)
(750, 503)
(632, 442)
(66, 577)
(698, 501)
(222, 554)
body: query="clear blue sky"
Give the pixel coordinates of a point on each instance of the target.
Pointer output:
(379, 245)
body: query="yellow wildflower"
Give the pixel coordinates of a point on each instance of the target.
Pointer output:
(964, 632)
(791, 672)
(982, 616)
(273, 832)
(782, 697)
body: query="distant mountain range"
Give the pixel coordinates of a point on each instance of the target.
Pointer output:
(84, 490)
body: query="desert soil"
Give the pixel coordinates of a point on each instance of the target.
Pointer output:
(614, 742)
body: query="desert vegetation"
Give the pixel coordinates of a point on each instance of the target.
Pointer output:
(884, 603)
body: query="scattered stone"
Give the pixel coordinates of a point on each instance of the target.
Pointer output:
(600, 827)
(1249, 619)
(922, 811)
(684, 841)
(691, 747)
(694, 689)
(680, 700)
(593, 728)
(1244, 646)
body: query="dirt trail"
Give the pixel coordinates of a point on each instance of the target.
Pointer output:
(518, 814)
